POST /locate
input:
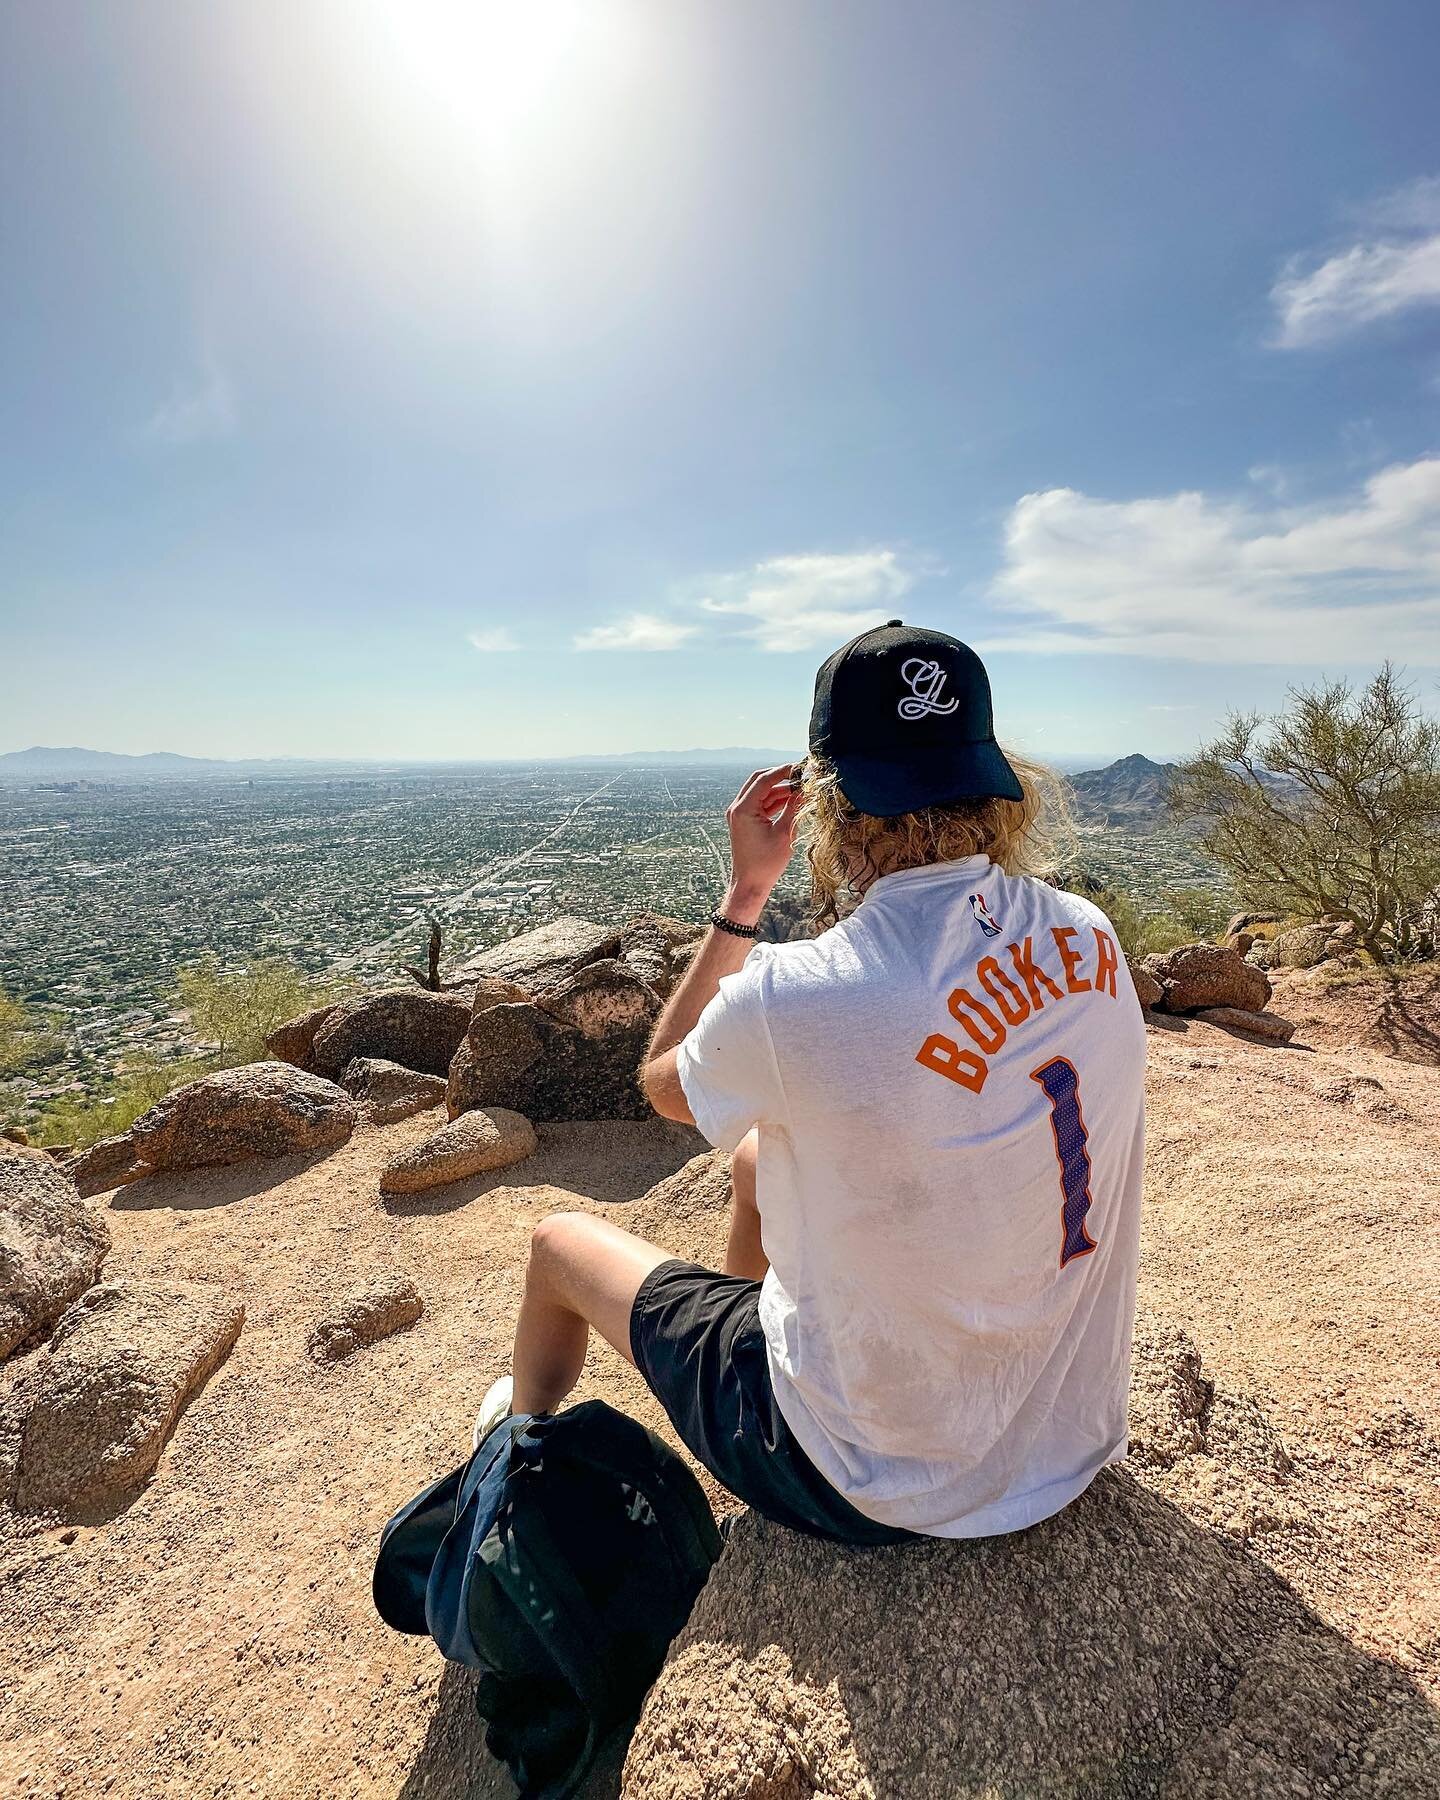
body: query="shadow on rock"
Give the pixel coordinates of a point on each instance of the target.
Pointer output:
(1120, 1649)
(221, 1184)
(453, 1763)
(611, 1161)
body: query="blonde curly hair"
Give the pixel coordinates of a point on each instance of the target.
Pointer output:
(847, 849)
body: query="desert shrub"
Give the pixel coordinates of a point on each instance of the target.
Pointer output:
(83, 1119)
(1190, 915)
(1329, 810)
(25, 1038)
(232, 1012)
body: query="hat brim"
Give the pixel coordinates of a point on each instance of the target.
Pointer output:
(885, 787)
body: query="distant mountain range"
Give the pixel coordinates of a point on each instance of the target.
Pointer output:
(1129, 793)
(50, 763)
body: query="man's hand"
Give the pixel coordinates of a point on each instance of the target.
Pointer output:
(761, 818)
(762, 834)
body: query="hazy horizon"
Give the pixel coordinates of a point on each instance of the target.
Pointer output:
(448, 379)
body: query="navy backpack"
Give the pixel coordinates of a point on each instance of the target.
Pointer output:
(558, 1562)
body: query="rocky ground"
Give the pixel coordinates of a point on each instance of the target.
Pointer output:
(215, 1635)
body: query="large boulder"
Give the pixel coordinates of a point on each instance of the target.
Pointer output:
(51, 1247)
(259, 1109)
(1196, 975)
(1266, 1025)
(294, 1041)
(106, 1165)
(1148, 990)
(106, 1394)
(658, 949)
(491, 1137)
(1123, 1647)
(378, 1310)
(573, 1054)
(1307, 946)
(388, 1092)
(650, 945)
(410, 1026)
(537, 959)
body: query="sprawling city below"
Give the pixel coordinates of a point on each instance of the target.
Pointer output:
(111, 887)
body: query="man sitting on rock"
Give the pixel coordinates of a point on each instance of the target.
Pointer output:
(937, 1119)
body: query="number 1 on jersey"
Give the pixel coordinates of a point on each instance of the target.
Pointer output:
(1062, 1089)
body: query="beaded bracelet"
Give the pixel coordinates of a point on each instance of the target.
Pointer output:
(721, 923)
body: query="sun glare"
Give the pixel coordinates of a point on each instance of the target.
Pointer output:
(502, 72)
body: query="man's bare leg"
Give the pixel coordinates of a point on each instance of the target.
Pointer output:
(582, 1271)
(744, 1254)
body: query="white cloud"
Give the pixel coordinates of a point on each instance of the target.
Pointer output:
(493, 642)
(800, 602)
(1369, 280)
(1230, 581)
(199, 410)
(640, 631)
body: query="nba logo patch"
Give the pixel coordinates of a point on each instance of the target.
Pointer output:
(982, 916)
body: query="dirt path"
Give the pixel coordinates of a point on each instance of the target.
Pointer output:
(217, 1638)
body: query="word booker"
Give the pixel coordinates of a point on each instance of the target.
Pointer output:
(1016, 997)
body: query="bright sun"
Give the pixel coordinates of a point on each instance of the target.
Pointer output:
(501, 72)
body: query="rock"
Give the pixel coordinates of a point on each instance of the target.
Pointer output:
(410, 1026)
(10, 1150)
(389, 1092)
(379, 1310)
(1306, 946)
(51, 1246)
(487, 1138)
(109, 1164)
(537, 959)
(16, 1134)
(944, 1670)
(649, 945)
(699, 1188)
(1197, 975)
(1242, 921)
(601, 999)
(259, 1109)
(493, 990)
(1148, 990)
(1267, 1025)
(108, 1391)
(294, 1042)
(575, 1054)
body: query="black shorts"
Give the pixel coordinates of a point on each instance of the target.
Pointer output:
(697, 1340)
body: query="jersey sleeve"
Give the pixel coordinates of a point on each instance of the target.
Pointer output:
(727, 1064)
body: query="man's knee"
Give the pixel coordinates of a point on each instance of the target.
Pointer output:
(554, 1242)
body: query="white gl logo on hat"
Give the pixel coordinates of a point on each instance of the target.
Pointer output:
(925, 679)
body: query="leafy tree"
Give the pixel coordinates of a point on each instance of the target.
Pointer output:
(233, 1012)
(83, 1119)
(1140, 932)
(1329, 810)
(1201, 915)
(24, 1039)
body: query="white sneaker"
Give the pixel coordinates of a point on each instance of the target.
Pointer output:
(493, 1408)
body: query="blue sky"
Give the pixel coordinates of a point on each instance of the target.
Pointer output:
(419, 378)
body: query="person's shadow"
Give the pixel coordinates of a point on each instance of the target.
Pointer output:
(1118, 1650)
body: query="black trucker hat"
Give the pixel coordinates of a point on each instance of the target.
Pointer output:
(904, 715)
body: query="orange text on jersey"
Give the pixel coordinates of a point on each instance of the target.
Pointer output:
(1011, 991)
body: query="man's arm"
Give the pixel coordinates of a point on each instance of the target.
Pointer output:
(762, 833)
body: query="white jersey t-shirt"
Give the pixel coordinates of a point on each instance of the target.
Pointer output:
(948, 1087)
